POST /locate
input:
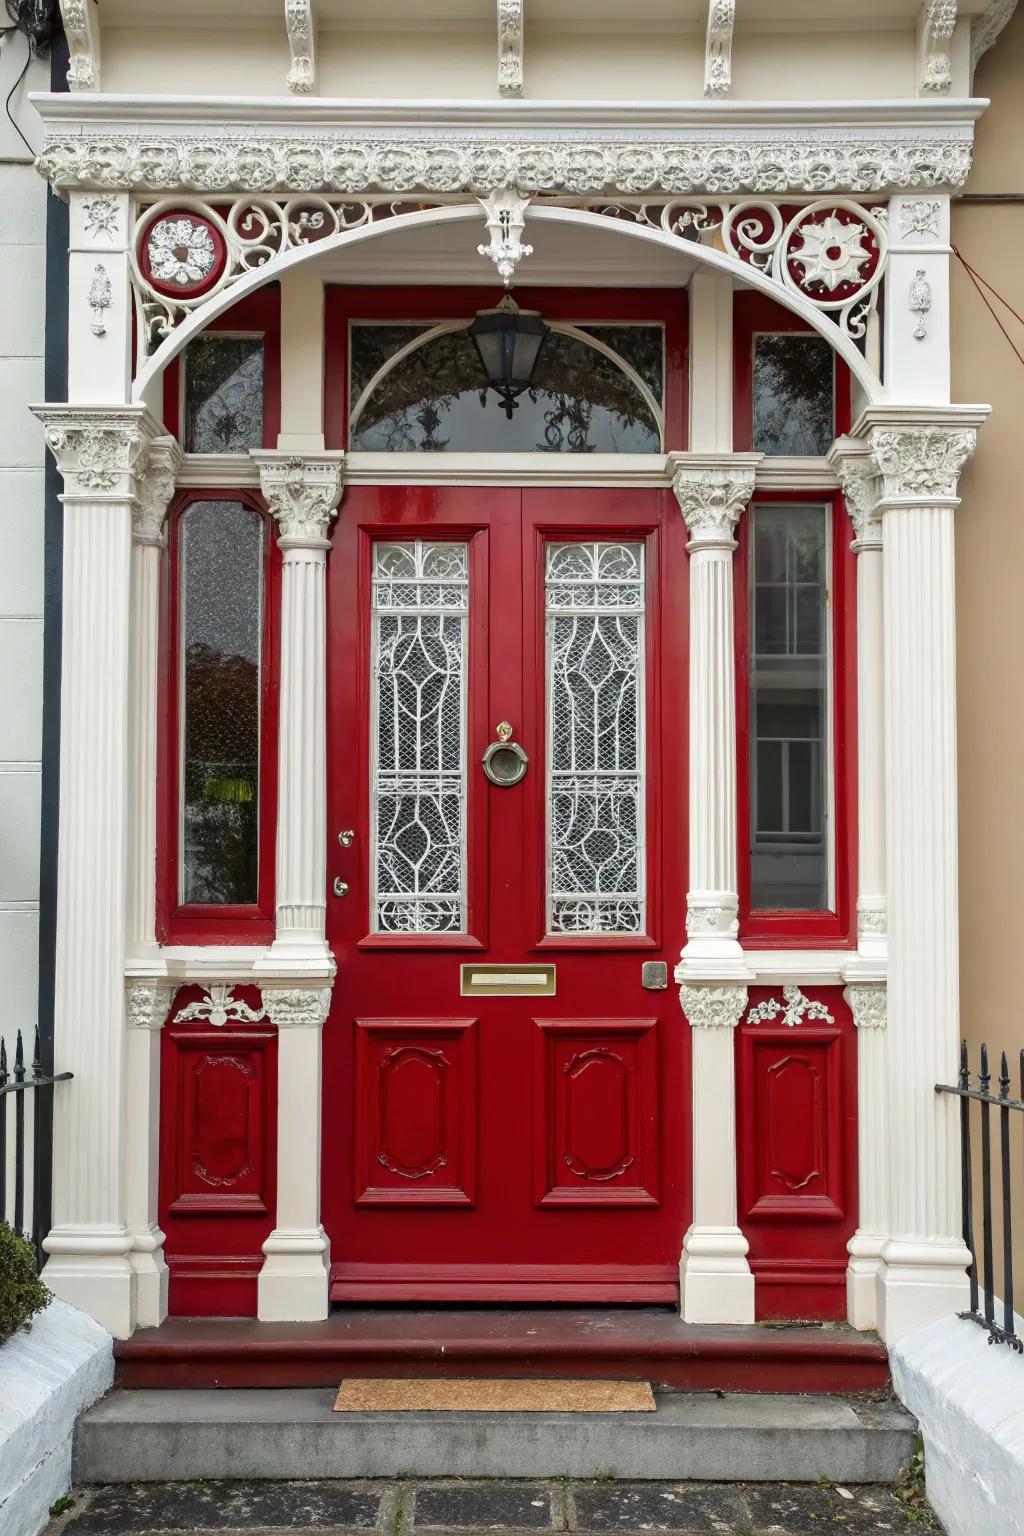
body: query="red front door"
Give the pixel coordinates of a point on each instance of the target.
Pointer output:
(506, 1100)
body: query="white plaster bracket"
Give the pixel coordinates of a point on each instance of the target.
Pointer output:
(935, 30)
(511, 31)
(718, 47)
(81, 20)
(301, 27)
(505, 212)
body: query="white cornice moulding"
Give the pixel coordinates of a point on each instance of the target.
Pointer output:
(242, 964)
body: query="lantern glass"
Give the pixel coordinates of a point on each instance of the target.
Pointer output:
(508, 340)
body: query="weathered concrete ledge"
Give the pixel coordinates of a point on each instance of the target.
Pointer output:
(148, 1435)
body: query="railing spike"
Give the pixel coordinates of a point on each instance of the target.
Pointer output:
(19, 1059)
(37, 1056)
(965, 1065)
(985, 1076)
(1004, 1077)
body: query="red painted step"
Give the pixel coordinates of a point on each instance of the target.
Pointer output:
(648, 1343)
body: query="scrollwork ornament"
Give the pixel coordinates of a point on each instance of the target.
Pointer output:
(297, 1006)
(217, 1006)
(710, 1007)
(794, 1008)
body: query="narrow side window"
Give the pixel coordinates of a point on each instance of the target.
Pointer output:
(223, 394)
(793, 386)
(221, 546)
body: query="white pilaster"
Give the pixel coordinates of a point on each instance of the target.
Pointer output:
(711, 363)
(99, 295)
(148, 1006)
(916, 312)
(919, 455)
(293, 1283)
(867, 1003)
(302, 360)
(712, 491)
(102, 453)
(715, 1282)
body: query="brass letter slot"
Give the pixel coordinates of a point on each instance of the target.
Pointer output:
(507, 981)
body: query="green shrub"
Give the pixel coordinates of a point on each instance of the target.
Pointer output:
(22, 1293)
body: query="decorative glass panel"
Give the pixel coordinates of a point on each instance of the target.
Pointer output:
(789, 708)
(223, 394)
(595, 690)
(436, 400)
(793, 394)
(641, 346)
(221, 627)
(418, 814)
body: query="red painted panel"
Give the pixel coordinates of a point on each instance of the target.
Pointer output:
(218, 1150)
(596, 1126)
(797, 1144)
(416, 1112)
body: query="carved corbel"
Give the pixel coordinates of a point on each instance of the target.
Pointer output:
(713, 1007)
(511, 23)
(298, 19)
(297, 1007)
(81, 20)
(935, 29)
(718, 47)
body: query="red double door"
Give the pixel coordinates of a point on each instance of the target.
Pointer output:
(506, 1076)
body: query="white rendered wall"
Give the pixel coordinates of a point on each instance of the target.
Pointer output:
(22, 311)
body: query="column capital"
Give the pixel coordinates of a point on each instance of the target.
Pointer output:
(712, 490)
(858, 477)
(713, 1007)
(102, 451)
(297, 1007)
(155, 491)
(302, 492)
(918, 453)
(868, 1004)
(148, 1003)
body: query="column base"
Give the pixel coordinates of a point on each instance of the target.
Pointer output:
(91, 1269)
(865, 1250)
(715, 1282)
(293, 1283)
(151, 1277)
(919, 1282)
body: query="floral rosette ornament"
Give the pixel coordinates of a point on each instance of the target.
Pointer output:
(831, 255)
(182, 253)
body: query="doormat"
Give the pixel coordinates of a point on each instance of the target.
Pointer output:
(493, 1395)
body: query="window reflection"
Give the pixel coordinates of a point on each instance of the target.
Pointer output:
(436, 400)
(223, 394)
(793, 395)
(221, 627)
(788, 708)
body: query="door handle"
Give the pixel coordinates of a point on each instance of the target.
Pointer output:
(340, 886)
(346, 838)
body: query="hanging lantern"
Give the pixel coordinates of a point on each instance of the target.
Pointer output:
(508, 340)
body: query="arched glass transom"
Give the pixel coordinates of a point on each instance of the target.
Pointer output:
(428, 393)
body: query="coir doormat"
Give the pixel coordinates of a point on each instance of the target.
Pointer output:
(492, 1395)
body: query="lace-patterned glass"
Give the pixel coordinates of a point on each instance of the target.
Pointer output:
(223, 394)
(418, 810)
(595, 693)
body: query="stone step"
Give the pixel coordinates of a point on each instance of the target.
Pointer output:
(184, 1434)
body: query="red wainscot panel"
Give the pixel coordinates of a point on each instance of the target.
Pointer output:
(796, 1110)
(218, 1154)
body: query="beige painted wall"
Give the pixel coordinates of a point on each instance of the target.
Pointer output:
(990, 588)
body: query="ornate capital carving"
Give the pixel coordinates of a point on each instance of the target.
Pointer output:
(868, 1004)
(920, 461)
(510, 47)
(297, 1006)
(713, 1007)
(101, 451)
(155, 491)
(858, 476)
(302, 491)
(148, 1004)
(711, 499)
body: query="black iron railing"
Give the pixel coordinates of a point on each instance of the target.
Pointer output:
(1004, 1332)
(19, 1155)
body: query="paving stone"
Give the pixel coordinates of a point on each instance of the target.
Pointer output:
(125, 1507)
(806, 1509)
(483, 1506)
(687, 1507)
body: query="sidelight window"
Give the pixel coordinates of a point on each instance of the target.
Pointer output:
(223, 379)
(595, 728)
(793, 394)
(789, 708)
(418, 690)
(221, 554)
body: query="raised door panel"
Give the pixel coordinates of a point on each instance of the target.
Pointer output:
(595, 1112)
(416, 1112)
(221, 1159)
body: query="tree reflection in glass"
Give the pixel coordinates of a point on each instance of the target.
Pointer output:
(793, 395)
(221, 626)
(223, 394)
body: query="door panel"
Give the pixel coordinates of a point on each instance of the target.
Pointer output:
(473, 1148)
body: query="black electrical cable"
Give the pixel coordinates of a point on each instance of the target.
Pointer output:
(5, 32)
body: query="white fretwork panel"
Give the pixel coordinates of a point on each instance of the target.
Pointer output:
(595, 692)
(418, 737)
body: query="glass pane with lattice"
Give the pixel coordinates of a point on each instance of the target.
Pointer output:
(595, 694)
(418, 811)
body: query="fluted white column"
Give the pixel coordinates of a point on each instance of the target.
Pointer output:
(919, 456)
(148, 1005)
(716, 1285)
(866, 971)
(302, 492)
(102, 454)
